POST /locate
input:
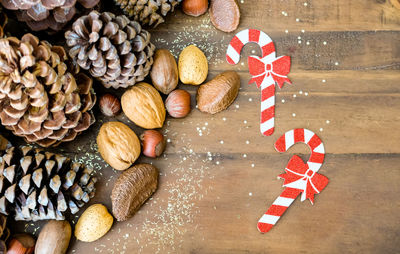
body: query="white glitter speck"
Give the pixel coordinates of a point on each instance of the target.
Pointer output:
(252, 165)
(247, 142)
(250, 99)
(242, 64)
(299, 42)
(336, 63)
(205, 123)
(245, 121)
(327, 121)
(324, 43)
(297, 20)
(299, 37)
(323, 81)
(253, 51)
(244, 155)
(286, 31)
(321, 129)
(169, 140)
(217, 162)
(303, 31)
(250, 194)
(223, 118)
(300, 92)
(283, 101)
(221, 142)
(294, 114)
(284, 13)
(294, 96)
(237, 106)
(305, 4)
(306, 94)
(308, 43)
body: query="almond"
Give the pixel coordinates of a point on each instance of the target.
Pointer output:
(164, 72)
(225, 14)
(193, 66)
(217, 94)
(132, 188)
(143, 105)
(93, 224)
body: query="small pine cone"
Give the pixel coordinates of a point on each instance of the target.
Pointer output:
(47, 14)
(42, 98)
(147, 12)
(114, 49)
(37, 185)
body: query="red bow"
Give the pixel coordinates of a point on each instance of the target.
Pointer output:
(296, 170)
(278, 69)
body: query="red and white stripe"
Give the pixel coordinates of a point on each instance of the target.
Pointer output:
(268, 85)
(289, 194)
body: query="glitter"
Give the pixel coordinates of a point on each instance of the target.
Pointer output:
(237, 106)
(217, 162)
(323, 81)
(324, 43)
(286, 31)
(247, 142)
(299, 38)
(327, 121)
(221, 142)
(205, 123)
(306, 94)
(169, 140)
(210, 158)
(321, 129)
(336, 63)
(305, 4)
(250, 99)
(300, 92)
(253, 51)
(242, 63)
(242, 1)
(294, 96)
(283, 101)
(184, 158)
(244, 155)
(308, 43)
(250, 194)
(303, 31)
(284, 13)
(294, 114)
(299, 42)
(297, 20)
(245, 121)
(223, 118)
(203, 128)
(252, 165)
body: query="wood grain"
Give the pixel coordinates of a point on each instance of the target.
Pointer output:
(218, 174)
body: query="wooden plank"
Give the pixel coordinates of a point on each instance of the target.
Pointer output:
(202, 207)
(277, 16)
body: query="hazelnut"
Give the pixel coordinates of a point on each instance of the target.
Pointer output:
(178, 103)
(21, 244)
(153, 143)
(109, 105)
(194, 7)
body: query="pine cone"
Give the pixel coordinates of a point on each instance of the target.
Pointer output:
(147, 12)
(114, 49)
(41, 98)
(3, 23)
(4, 234)
(37, 185)
(45, 14)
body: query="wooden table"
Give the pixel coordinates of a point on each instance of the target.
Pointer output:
(218, 174)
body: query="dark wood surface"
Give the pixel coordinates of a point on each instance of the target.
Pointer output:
(345, 74)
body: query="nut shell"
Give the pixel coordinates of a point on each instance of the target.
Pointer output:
(109, 105)
(94, 223)
(193, 66)
(178, 103)
(132, 188)
(54, 238)
(143, 105)
(21, 244)
(225, 14)
(164, 73)
(194, 7)
(217, 94)
(153, 143)
(118, 145)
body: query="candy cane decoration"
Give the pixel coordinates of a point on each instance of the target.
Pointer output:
(266, 71)
(300, 178)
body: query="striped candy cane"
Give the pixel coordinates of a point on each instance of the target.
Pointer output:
(299, 178)
(266, 71)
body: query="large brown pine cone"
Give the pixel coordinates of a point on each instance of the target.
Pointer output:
(42, 98)
(46, 14)
(114, 49)
(147, 12)
(4, 234)
(38, 185)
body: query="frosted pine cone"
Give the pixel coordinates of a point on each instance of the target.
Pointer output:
(45, 14)
(41, 98)
(147, 12)
(114, 49)
(37, 185)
